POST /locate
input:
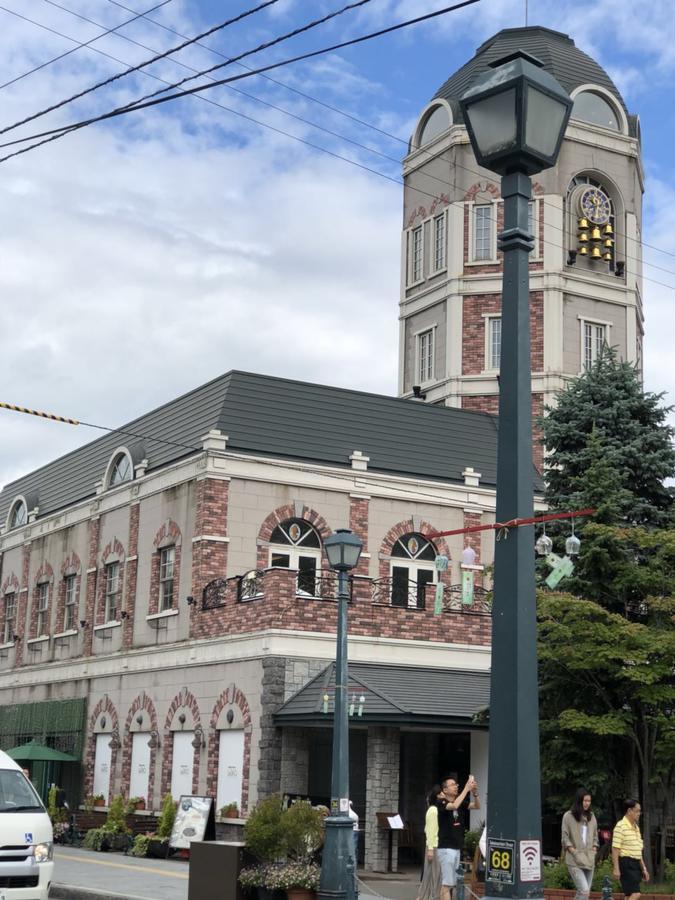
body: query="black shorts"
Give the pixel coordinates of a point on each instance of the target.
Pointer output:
(630, 872)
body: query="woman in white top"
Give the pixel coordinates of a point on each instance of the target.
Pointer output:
(580, 842)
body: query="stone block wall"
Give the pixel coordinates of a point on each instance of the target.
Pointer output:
(381, 795)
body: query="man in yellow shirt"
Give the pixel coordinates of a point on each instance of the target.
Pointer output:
(627, 861)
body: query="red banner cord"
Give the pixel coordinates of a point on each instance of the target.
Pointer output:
(513, 523)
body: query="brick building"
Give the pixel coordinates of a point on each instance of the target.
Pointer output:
(585, 216)
(165, 586)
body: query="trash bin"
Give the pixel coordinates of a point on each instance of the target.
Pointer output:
(214, 870)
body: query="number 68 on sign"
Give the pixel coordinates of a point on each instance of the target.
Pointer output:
(500, 860)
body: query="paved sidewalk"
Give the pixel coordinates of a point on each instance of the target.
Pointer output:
(85, 875)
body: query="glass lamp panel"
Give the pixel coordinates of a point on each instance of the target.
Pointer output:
(545, 116)
(493, 120)
(351, 554)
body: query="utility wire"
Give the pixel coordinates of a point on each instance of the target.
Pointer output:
(370, 125)
(333, 134)
(118, 75)
(66, 129)
(79, 46)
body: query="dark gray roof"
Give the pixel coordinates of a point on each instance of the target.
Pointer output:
(557, 51)
(266, 416)
(411, 695)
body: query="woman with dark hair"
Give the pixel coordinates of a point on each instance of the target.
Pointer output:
(580, 842)
(430, 886)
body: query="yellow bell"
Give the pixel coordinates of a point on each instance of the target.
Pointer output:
(609, 229)
(609, 242)
(583, 237)
(595, 234)
(583, 224)
(595, 253)
(607, 256)
(583, 251)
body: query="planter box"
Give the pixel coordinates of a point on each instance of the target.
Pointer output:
(157, 849)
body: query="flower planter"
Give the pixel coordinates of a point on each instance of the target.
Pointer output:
(99, 801)
(300, 894)
(139, 804)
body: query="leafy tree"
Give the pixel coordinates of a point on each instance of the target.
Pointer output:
(605, 432)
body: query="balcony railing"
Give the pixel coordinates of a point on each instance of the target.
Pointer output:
(315, 585)
(453, 601)
(408, 594)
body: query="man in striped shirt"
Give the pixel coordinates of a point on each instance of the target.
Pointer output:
(627, 860)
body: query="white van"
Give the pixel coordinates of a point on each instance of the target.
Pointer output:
(26, 839)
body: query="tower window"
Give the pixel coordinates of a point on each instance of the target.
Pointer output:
(10, 616)
(112, 590)
(436, 123)
(70, 601)
(19, 515)
(439, 242)
(594, 339)
(416, 255)
(425, 356)
(42, 608)
(121, 470)
(493, 342)
(482, 232)
(591, 107)
(167, 560)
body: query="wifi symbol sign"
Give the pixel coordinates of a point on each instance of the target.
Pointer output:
(530, 861)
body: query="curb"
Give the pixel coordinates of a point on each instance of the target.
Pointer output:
(71, 892)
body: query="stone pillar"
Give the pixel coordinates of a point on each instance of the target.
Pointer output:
(131, 573)
(294, 761)
(271, 698)
(209, 546)
(381, 795)
(22, 612)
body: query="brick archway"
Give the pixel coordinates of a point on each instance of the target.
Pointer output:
(405, 527)
(142, 702)
(104, 705)
(185, 699)
(289, 511)
(233, 695)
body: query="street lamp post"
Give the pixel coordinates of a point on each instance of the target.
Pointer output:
(516, 115)
(338, 867)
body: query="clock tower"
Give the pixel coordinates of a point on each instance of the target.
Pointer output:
(585, 216)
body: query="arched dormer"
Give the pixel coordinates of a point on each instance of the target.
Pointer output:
(17, 516)
(436, 118)
(597, 106)
(120, 469)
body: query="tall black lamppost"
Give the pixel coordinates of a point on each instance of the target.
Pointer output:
(516, 115)
(338, 868)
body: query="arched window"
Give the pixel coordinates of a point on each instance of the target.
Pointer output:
(436, 122)
(121, 470)
(294, 544)
(19, 515)
(412, 569)
(593, 108)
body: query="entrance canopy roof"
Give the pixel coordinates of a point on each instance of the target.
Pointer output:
(405, 696)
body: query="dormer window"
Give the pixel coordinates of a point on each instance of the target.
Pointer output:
(121, 470)
(590, 106)
(19, 515)
(436, 122)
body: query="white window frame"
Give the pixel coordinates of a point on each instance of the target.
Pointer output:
(418, 335)
(8, 632)
(414, 568)
(112, 590)
(439, 265)
(593, 323)
(412, 232)
(488, 319)
(492, 219)
(69, 602)
(42, 607)
(167, 571)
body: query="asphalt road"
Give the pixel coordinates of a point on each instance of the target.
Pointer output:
(85, 875)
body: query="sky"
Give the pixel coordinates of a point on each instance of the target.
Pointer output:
(142, 256)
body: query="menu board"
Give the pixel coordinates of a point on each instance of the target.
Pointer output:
(195, 821)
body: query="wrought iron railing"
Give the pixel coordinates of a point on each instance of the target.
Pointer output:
(320, 584)
(313, 584)
(400, 592)
(251, 585)
(453, 600)
(217, 592)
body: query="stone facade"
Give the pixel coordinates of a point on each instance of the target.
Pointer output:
(382, 795)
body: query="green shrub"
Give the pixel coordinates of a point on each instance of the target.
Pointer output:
(669, 875)
(471, 839)
(557, 876)
(604, 868)
(166, 818)
(264, 831)
(115, 822)
(140, 846)
(56, 814)
(304, 829)
(94, 838)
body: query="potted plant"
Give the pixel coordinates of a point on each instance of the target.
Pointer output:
(158, 843)
(265, 838)
(299, 879)
(140, 845)
(116, 830)
(98, 800)
(229, 811)
(135, 803)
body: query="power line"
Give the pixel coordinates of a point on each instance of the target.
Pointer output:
(73, 49)
(118, 75)
(56, 133)
(370, 125)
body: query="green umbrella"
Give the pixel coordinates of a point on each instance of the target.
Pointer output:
(32, 752)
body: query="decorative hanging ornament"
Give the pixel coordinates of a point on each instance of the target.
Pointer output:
(572, 544)
(544, 544)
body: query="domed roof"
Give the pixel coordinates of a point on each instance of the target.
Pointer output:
(557, 51)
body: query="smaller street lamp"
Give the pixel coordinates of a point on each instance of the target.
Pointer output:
(338, 868)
